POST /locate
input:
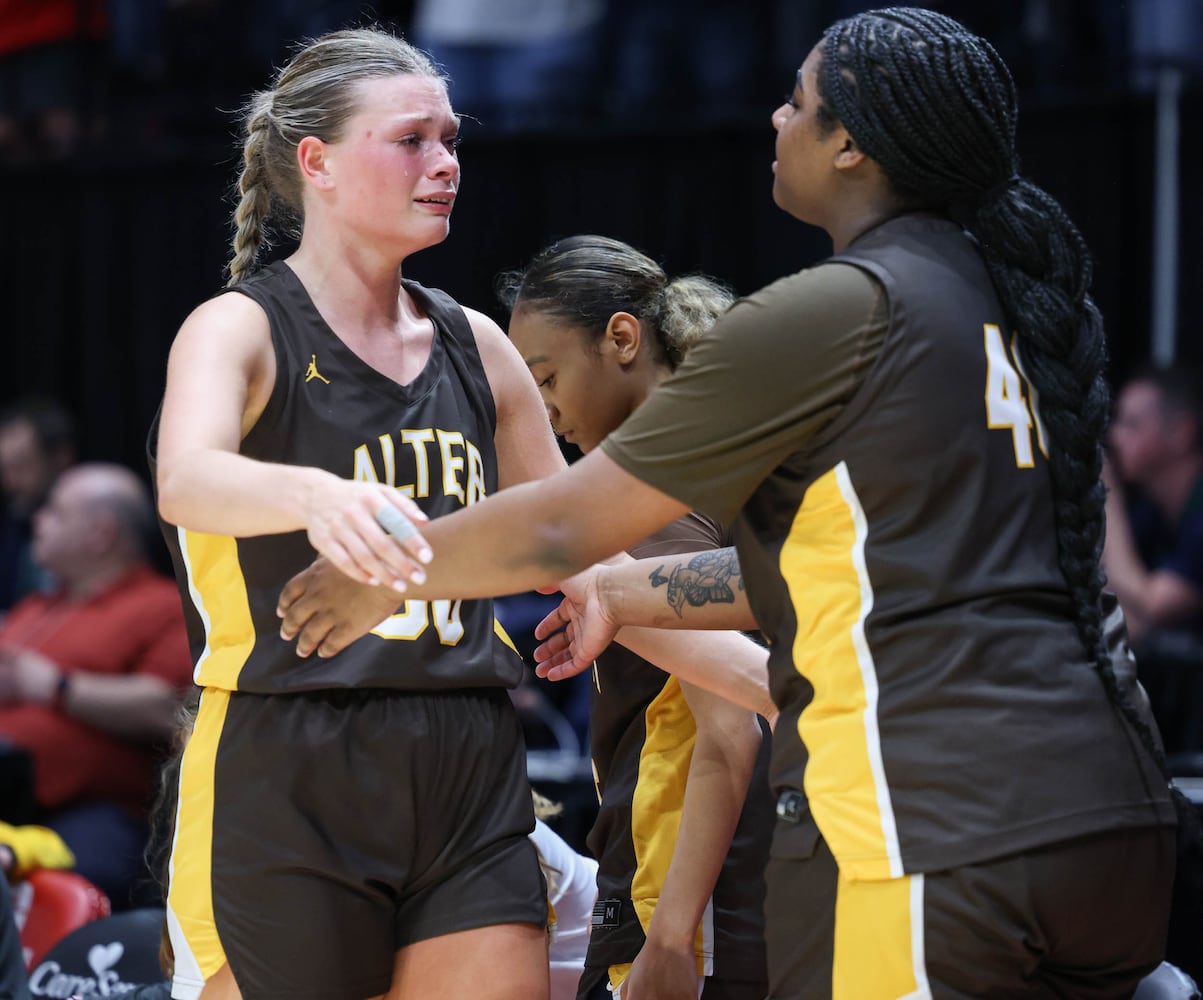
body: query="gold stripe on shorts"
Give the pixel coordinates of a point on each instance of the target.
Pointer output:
(879, 952)
(190, 897)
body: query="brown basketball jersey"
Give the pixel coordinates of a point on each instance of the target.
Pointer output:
(642, 738)
(898, 547)
(431, 439)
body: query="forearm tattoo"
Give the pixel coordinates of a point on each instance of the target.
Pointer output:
(707, 579)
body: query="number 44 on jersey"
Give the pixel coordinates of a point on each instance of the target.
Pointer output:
(1011, 401)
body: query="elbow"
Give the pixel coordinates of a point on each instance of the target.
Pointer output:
(734, 743)
(561, 547)
(170, 498)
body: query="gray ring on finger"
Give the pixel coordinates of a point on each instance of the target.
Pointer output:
(396, 523)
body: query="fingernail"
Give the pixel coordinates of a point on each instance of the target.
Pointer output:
(373, 582)
(418, 577)
(425, 555)
(399, 586)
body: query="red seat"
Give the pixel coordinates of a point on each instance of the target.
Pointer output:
(49, 905)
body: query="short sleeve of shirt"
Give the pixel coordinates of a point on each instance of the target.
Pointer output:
(772, 372)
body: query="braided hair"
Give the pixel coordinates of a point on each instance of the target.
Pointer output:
(935, 106)
(584, 280)
(314, 94)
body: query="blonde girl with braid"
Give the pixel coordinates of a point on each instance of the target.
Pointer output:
(359, 829)
(908, 438)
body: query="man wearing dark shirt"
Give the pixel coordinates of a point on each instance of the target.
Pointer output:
(1154, 549)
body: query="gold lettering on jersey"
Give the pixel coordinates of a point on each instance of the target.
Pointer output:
(453, 464)
(418, 440)
(413, 617)
(476, 475)
(460, 471)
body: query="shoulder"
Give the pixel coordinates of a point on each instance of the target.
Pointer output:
(833, 285)
(229, 316)
(799, 319)
(501, 360)
(490, 338)
(230, 330)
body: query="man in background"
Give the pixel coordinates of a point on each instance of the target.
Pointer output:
(37, 442)
(92, 674)
(1153, 555)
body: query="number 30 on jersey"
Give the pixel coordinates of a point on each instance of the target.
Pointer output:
(1011, 401)
(414, 616)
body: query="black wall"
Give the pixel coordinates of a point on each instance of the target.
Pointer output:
(101, 260)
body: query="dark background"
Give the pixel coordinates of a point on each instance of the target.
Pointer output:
(103, 253)
(106, 248)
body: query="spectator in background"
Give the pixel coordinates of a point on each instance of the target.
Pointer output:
(47, 48)
(91, 675)
(1154, 551)
(1153, 555)
(701, 63)
(515, 64)
(37, 442)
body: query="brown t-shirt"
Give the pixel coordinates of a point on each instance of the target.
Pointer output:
(779, 366)
(871, 424)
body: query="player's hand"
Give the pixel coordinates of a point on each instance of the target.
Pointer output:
(369, 531)
(662, 973)
(27, 677)
(578, 630)
(325, 610)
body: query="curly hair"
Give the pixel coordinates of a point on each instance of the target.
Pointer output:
(584, 280)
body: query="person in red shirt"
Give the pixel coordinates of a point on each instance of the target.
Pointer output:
(91, 675)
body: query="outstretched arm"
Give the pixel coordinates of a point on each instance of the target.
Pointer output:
(724, 756)
(528, 536)
(725, 663)
(702, 590)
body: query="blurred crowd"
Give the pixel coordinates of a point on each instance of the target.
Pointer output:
(150, 76)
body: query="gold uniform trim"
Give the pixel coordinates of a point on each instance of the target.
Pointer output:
(823, 563)
(670, 732)
(190, 896)
(504, 636)
(879, 949)
(218, 591)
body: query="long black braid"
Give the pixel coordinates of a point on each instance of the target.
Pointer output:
(935, 107)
